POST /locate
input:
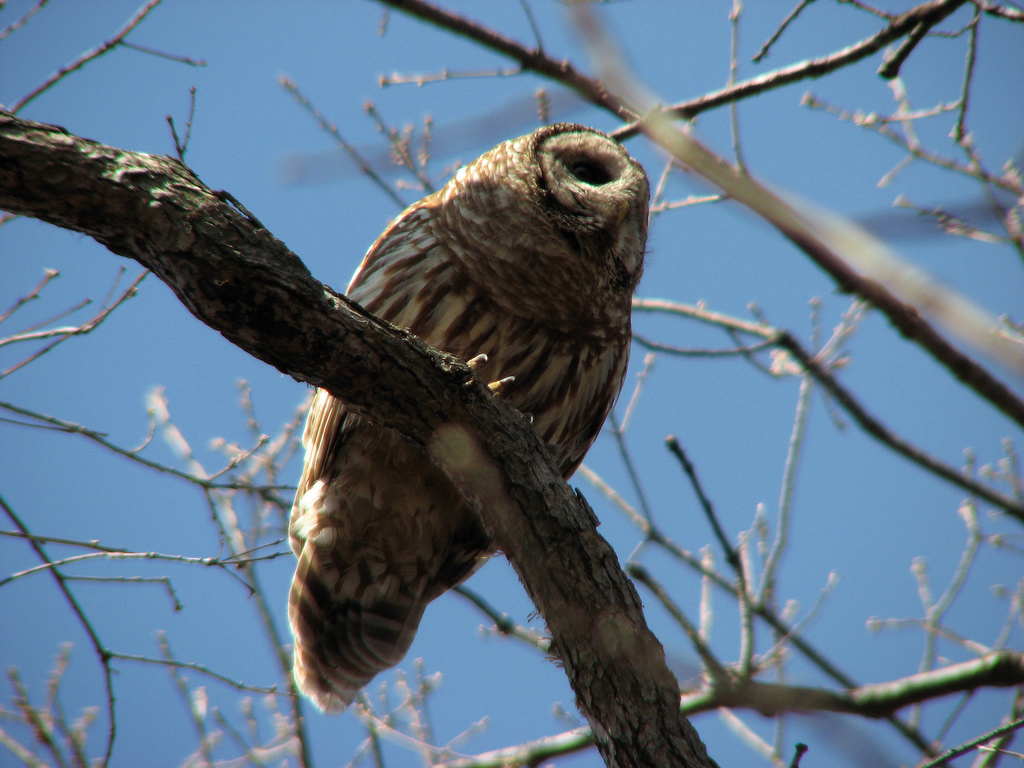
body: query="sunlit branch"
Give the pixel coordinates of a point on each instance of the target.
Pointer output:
(1003, 669)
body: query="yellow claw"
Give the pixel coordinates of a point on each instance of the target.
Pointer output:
(499, 386)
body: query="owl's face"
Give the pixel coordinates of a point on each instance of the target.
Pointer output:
(555, 220)
(595, 195)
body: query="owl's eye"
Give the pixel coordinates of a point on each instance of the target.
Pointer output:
(590, 172)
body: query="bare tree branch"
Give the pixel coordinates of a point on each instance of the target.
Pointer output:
(1001, 669)
(85, 58)
(98, 647)
(532, 60)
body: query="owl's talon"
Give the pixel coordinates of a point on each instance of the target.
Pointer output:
(478, 362)
(498, 387)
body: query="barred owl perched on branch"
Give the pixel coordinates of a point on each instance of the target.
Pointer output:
(529, 257)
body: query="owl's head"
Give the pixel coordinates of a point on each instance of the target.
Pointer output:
(594, 194)
(562, 209)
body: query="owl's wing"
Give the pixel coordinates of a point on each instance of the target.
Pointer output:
(402, 246)
(367, 550)
(320, 437)
(373, 287)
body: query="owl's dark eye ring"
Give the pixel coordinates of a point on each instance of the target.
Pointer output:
(589, 172)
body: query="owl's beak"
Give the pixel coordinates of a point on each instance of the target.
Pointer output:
(624, 207)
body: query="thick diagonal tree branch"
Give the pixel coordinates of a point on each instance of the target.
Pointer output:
(233, 275)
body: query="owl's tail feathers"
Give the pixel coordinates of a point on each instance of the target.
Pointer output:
(348, 626)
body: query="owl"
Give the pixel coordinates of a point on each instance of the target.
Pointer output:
(524, 263)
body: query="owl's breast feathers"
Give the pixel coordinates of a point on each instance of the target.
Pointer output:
(568, 365)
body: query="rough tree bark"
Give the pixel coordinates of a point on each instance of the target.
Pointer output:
(234, 276)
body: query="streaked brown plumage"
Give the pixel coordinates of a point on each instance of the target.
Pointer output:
(529, 255)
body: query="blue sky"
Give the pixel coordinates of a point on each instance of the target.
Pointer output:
(859, 510)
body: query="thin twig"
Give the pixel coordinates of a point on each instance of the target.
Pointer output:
(966, 747)
(197, 668)
(627, 462)
(533, 24)
(645, 525)
(289, 85)
(16, 25)
(796, 439)
(163, 54)
(400, 146)
(734, 117)
(36, 720)
(100, 438)
(230, 533)
(63, 334)
(195, 701)
(743, 351)
(102, 652)
(86, 57)
(876, 429)
(881, 124)
(732, 556)
(503, 622)
(790, 18)
(803, 70)
(227, 564)
(960, 130)
(641, 379)
(181, 146)
(530, 60)
(846, 400)
(783, 638)
(49, 275)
